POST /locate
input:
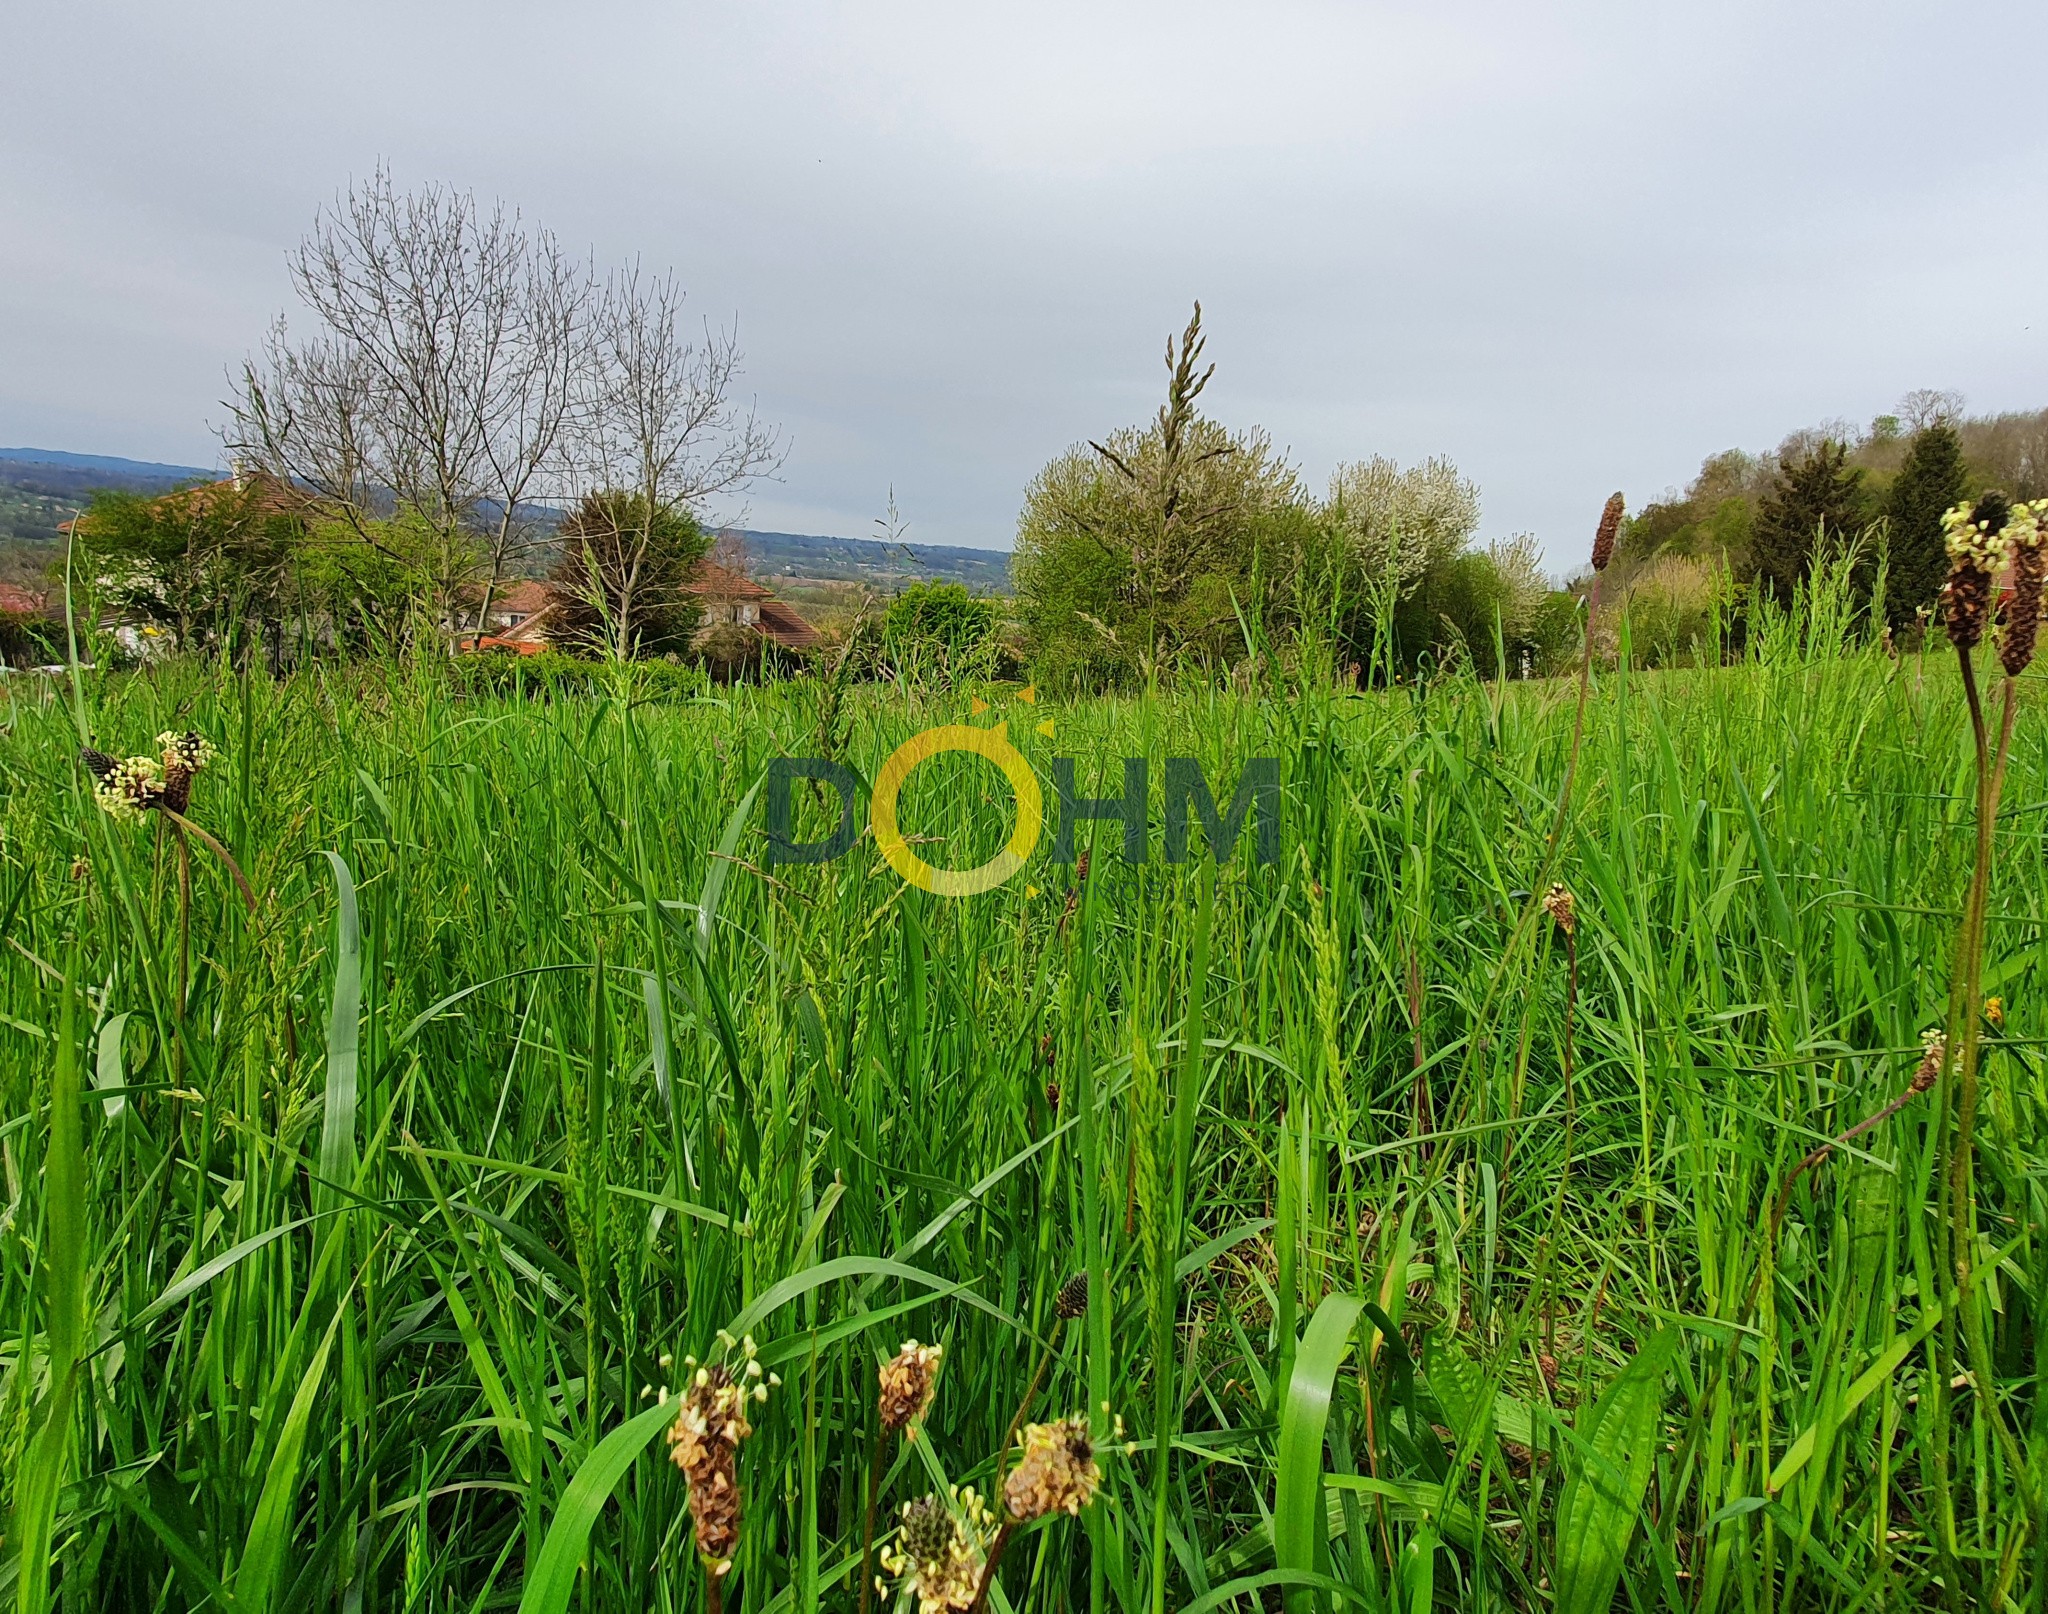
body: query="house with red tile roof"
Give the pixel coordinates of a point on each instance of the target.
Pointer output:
(730, 597)
(519, 618)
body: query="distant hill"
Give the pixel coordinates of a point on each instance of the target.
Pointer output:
(886, 567)
(133, 470)
(39, 487)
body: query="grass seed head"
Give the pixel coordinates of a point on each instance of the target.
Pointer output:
(909, 1380)
(1608, 530)
(1057, 1473)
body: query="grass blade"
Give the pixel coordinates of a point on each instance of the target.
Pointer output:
(1298, 1508)
(553, 1580)
(46, 1459)
(1596, 1518)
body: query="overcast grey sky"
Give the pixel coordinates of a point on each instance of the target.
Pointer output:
(1572, 246)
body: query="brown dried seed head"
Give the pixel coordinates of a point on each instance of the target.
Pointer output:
(1057, 1473)
(715, 1512)
(1608, 530)
(1928, 1071)
(177, 790)
(1966, 604)
(908, 1380)
(2023, 610)
(1072, 1300)
(1557, 902)
(704, 1443)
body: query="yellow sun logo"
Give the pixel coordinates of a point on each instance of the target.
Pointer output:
(992, 743)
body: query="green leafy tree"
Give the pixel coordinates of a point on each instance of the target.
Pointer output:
(364, 586)
(1816, 498)
(619, 586)
(195, 564)
(1933, 477)
(1140, 549)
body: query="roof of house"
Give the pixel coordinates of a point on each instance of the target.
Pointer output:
(717, 582)
(20, 601)
(524, 598)
(780, 622)
(777, 619)
(272, 496)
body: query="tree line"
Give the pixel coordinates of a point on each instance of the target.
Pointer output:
(1756, 526)
(1181, 544)
(459, 398)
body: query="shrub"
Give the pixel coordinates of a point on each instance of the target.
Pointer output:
(940, 633)
(553, 674)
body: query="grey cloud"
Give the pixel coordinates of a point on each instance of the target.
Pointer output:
(1572, 246)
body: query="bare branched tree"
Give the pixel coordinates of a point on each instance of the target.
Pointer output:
(657, 420)
(1929, 406)
(430, 406)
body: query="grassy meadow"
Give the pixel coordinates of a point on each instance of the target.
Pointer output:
(1436, 1258)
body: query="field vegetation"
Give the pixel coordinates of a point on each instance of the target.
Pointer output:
(454, 1156)
(389, 1129)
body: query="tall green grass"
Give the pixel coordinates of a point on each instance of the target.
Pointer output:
(348, 1279)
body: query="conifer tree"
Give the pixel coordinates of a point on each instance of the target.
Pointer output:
(1933, 477)
(1816, 498)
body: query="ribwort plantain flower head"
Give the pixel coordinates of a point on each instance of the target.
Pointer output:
(1975, 537)
(704, 1442)
(940, 1552)
(1558, 903)
(128, 789)
(184, 756)
(1933, 1049)
(908, 1381)
(1608, 530)
(1057, 1473)
(1072, 1300)
(2024, 542)
(190, 749)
